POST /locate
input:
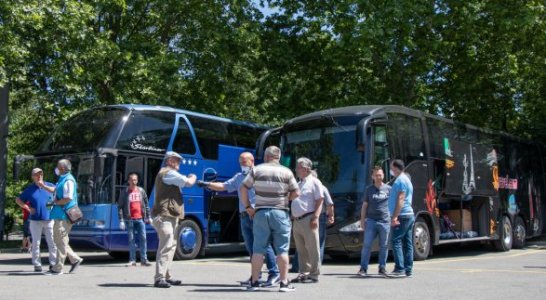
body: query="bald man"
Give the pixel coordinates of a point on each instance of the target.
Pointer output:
(246, 161)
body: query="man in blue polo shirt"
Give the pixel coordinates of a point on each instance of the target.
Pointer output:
(37, 199)
(402, 220)
(246, 160)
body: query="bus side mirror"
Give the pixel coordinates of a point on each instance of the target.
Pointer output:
(361, 134)
(210, 175)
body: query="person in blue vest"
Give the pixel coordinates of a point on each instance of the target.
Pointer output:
(65, 196)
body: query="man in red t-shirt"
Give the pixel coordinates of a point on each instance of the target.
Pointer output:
(133, 209)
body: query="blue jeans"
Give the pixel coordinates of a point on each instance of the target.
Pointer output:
(138, 228)
(322, 240)
(402, 244)
(248, 236)
(271, 226)
(374, 229)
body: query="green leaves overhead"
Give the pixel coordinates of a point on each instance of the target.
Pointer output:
(481, 62)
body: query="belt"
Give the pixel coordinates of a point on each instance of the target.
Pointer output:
(304, 215)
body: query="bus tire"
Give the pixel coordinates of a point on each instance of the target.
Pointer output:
(189, 239)
(520, 234)
(119, 254)
(421, 240)
(504, 243)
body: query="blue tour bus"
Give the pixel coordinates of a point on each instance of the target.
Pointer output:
(107, 143)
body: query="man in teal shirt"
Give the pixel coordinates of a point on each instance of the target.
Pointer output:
(402, 220)
(65, 197)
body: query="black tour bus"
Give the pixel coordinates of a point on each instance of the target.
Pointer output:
(470, 184)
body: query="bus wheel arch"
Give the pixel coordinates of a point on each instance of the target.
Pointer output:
(189, 239)
(422, 238)
(519, 233)
(505, 233)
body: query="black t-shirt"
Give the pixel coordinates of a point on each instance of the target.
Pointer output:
(378, 202)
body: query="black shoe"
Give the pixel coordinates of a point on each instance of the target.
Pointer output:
(255, 286)
(272, 280)
(53, 273)
(309, 279)
(145, 263)
(75, 266)
(299, 279)
(382, 272)
(246, 282)
(162, 284)
(37, 268)
(174, 282)
(362, 272)
(286, 287)
(397, 274)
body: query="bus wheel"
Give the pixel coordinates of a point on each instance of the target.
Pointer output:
(421, 240)
(519, 234)
(189, 240)
(119, 254)
(504, 243)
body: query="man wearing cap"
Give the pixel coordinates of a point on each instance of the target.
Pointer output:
(167, 210)
(37, 199)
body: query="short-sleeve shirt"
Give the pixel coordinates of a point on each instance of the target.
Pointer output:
(378, 203)
(327, 199)
(234, 183)
(37, 198)
(310, 191)
(401, 184)
(273, 183)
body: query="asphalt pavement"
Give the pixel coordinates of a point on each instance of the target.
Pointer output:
(454, 272)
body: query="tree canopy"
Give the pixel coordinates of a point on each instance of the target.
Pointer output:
(477, 61)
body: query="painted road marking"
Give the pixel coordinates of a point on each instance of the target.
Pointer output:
(528, 252)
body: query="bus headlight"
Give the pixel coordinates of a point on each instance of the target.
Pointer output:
(353, 227)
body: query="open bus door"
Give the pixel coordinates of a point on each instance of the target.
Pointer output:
(267, 138)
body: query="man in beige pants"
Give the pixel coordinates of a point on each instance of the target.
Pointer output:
(168, 209)
(65, 197)
(305, 212)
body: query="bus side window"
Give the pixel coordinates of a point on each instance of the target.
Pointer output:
(210, 133)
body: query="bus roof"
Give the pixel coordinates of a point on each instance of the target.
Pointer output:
(144, 107)
(382, 110)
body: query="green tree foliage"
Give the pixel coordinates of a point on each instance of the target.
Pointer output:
(477, 61)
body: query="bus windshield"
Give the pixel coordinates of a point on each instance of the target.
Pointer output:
(326, 144)
(85, 131)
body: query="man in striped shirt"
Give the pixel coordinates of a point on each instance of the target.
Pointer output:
(275, 186)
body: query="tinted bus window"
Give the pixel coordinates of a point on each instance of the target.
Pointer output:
(244, 136)
(438, 130)
(407, 137)
(148, 131)
(86, 130)
(183, 142)
(210, 133)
